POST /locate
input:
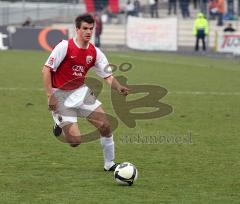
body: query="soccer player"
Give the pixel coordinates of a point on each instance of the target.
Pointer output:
(63, 77)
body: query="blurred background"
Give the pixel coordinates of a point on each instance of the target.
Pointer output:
(153, 24)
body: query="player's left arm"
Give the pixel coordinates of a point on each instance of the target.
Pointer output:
(103, 69)
(114, 83)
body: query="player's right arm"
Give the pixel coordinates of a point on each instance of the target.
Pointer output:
(56, 57)
(47, 82)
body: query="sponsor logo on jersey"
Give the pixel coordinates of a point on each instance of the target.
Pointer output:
(89, 59)
(72, 57)
(78, 70)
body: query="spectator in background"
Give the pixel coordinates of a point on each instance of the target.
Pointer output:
(230, 8)
(137, 7)
(129, 8)
(229, 28)
(184, 6)
(200, 30)
(220, 8)
(154, 8)
(204, 5)
(213, 9)
(108, 15)
(172, 4)
(28, 23)
(195, 4)
(98, 29)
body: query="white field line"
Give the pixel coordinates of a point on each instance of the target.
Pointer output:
(163, 61)
(170, 92)
(20, 89)
(205, 93)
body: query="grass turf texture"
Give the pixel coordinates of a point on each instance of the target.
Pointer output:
(204, 92)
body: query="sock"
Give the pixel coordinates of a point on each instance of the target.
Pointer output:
(108, 151)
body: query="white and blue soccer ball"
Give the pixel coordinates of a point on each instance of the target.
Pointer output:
(125, 174)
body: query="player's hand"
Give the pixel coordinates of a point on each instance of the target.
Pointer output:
(123, 90)
(52, 103)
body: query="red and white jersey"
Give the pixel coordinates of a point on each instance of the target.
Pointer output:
(69, 64)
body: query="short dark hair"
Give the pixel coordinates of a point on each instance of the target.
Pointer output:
(88, 18)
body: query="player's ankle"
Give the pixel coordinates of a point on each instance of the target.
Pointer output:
(108, 165)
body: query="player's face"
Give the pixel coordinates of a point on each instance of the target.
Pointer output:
(85, 31)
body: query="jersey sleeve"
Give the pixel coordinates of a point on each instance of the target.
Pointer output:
(57, 55)
(101, 66)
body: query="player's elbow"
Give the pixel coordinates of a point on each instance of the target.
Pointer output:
(45, 70)
(109, 79)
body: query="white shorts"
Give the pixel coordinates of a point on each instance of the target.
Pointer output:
(71, 104)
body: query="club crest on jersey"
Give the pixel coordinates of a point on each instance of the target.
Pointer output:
(89, 59)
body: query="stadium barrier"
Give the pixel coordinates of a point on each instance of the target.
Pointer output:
(30, 38)
(227, 42)
(152, 34)
(141, 34)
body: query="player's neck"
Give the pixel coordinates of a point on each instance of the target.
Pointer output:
(81, 43)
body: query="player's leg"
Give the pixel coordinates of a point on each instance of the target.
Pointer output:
(99, 120)
(72, 134)
(66, 128)
(203, 43)
(69, 133)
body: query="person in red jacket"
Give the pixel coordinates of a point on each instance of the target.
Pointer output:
(68, 95)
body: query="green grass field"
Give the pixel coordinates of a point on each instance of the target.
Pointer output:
(204, 93)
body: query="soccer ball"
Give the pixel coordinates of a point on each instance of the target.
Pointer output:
(125, 173)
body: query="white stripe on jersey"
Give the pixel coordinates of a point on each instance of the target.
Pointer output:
(57, 56)
(60, 51)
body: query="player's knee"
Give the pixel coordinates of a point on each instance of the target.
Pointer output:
(74, 141)
(105, 128)
(74, 144)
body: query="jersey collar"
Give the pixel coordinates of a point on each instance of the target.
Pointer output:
(75, 42)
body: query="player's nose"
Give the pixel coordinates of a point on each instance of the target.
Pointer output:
(89, 30)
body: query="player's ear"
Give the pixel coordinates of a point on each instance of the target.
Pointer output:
(78, 28)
